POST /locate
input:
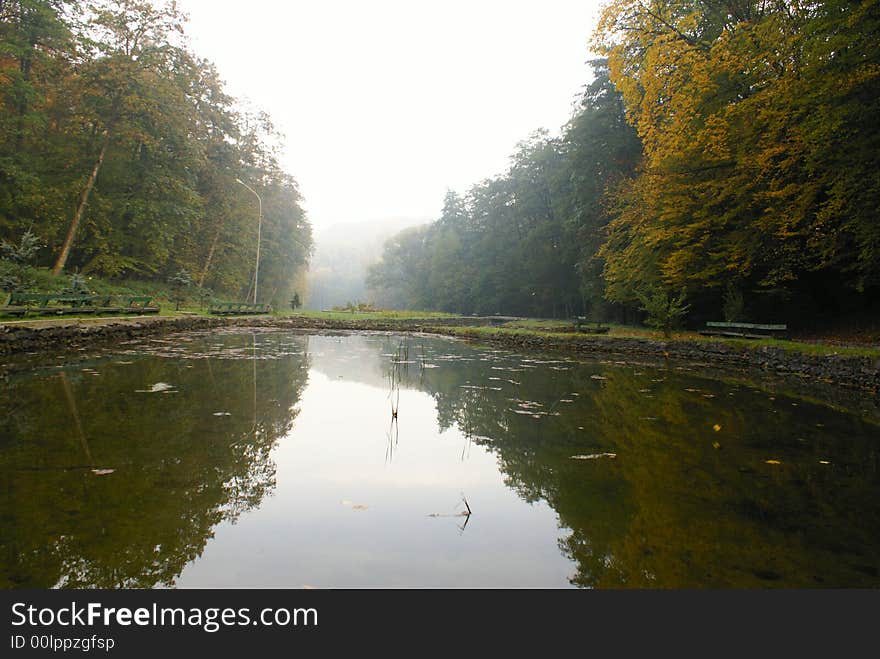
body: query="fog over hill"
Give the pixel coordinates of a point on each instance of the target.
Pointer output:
(343, 253)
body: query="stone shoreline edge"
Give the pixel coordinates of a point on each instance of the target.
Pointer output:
(852, 372)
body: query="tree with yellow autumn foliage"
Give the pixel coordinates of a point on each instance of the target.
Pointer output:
(760, 144)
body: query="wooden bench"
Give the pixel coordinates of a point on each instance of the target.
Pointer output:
(75, 303)
(238, 308)
(22, 304)
(746, 330)
(138, 304)
(584, 324)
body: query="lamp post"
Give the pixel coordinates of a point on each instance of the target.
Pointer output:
(259, 232)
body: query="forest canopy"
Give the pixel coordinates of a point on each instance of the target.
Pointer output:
(725, 149)
(120, 150)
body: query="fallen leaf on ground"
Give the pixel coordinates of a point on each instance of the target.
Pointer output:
(716, 427)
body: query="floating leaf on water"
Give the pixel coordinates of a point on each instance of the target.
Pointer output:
(159, 387)
(773, 462)
(222, 414)
(102, 472)
(594, 456)
(716, 445)
(644, 391)
(824, 462)
(716, 427)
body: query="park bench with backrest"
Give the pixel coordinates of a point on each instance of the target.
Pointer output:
(584, 324)
(137, 304)
(746, 330)
(238, 308)
(21, 304)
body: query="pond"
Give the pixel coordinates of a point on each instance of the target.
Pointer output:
(276, 459)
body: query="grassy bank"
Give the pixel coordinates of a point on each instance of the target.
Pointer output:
(559, 331)
(530, 328)
(380, 315)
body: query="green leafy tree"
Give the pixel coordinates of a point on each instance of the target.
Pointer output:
(17, 259)
(77, 285)
(180, 285)
(664, 311)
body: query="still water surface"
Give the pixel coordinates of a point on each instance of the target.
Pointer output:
(272, 460)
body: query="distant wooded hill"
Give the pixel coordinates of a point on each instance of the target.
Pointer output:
(343, 254)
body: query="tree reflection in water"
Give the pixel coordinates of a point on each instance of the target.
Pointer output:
(682, 505)
(183, 460)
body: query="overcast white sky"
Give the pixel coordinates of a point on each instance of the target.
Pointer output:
(384, 103)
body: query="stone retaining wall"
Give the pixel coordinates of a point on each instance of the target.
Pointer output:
(849, 371)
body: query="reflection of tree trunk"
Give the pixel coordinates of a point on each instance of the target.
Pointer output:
(254, 359)
(80, 208)
(71, 404)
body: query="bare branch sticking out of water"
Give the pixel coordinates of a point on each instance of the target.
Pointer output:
(463, 513)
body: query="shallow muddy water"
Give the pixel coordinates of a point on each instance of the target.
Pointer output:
(273, 459)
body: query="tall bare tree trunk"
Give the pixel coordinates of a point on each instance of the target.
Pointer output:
(210, 253)
(80, 208)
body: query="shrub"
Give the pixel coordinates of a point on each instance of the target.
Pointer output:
(664, 311)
